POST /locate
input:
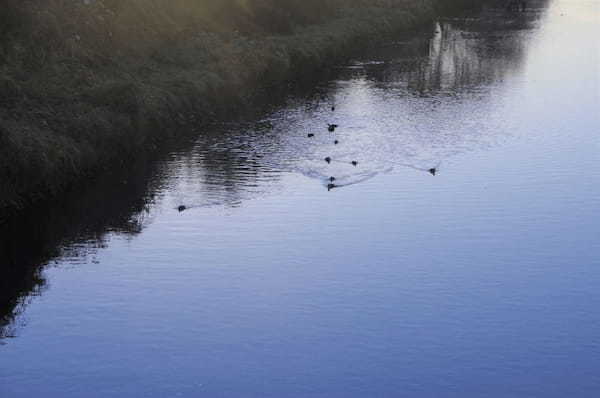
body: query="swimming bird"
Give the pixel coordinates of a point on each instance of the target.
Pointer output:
(310, 135)
(332, 179)
(336, 142)
(432, 171)
(333, 108)
(332, 127)
(354, 163)
(328, 159)
(330, 186)
(181, 208)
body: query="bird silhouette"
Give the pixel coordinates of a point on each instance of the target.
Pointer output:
(328, 159)
(310, 135)
(336, 142)
(331, 179)
(181, 208)
(332, 127)
(333, 108)
(432, 170)
(354, 163)
(330, 186)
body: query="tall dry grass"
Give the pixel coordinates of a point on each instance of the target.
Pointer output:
(83, 83)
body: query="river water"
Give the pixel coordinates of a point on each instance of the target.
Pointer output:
(482, 280)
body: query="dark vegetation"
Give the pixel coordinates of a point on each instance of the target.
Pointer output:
(84, 83)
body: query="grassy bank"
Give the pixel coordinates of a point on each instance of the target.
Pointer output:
(84, 84)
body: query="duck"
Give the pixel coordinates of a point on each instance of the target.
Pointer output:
(432, 171)
(328, 159)
(181, 208)
(354, 163)
(310, 135)
(331, 179)
(336, 142)
(332, 127)
(330, 186)
(333, 108)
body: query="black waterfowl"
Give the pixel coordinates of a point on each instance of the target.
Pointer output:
(332, 127)
(332, 179)
(310, 135)
(328, 159)
(432, 171)
(333, 108)
(330, 186)
(336, 142)
(354, 163)
(181, 208)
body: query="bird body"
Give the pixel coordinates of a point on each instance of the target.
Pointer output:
(328, 159)
(310, 135)
(354, 163)
(181, 208)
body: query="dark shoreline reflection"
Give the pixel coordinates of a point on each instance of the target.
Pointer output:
(457, 54)
(234, 162)
(76, 226)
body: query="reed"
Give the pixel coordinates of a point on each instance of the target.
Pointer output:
(86, 83)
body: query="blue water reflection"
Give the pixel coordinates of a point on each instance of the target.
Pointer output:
(480, 281)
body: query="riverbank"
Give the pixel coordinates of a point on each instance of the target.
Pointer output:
(91, 85)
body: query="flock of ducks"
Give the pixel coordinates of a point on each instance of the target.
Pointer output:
(331, 128)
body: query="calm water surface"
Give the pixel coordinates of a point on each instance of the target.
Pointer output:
(480, 281)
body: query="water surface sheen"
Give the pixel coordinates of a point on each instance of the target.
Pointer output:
(480, 281)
